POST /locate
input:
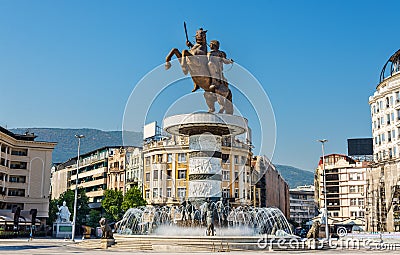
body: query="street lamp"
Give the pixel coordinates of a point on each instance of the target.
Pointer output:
(323, 141)
(76, 186)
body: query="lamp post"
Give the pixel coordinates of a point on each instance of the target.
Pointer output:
(323, 141)
(76, 186)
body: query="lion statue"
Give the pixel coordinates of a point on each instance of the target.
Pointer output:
(314, 230)
(106, 229)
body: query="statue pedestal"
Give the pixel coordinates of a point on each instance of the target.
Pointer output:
(205, 132)
(62, 230)
(105, 243)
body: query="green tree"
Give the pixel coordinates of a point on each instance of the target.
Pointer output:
(133, 198)
(111, 203)
(52, 211)
(94, 218)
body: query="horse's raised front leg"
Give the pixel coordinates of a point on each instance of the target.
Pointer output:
(175, 52)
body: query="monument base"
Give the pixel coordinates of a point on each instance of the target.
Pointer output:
(62, 230)
(105, 243)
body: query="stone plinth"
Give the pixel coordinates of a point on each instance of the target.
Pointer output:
(205, 131)
(106, 242)
(62, 230)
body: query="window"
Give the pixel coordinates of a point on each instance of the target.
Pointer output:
(225, 193)
(181, 192)
(361, 214)
(389, 134)
(18, 179)
(169, 192)
(353, 214)
(360, 189)
(147, 160)
(155, 175)
(243, 160)
(18, 165)
(147, 193)
(225, 175)
(147, 177)
(182, 157)
(353, 201)
(19, 152)
(159, 158)
(388, 118)
(182, 174)
(236, 176)
(16, 192)
(236, 193)
(169, 174)
(169, 157)
(236, 158)
(361, 201)
(155, 192)
(335, 214)
(225, 158)
(352, 189)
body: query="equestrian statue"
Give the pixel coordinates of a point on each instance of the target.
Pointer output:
(206, 70)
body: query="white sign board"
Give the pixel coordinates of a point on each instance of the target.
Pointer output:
(149, 130)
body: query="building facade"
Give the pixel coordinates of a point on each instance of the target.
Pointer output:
(25, 166)
(93, 175)
(383, 211)
(125, 169)
(269, 187)
(116, 170)
(345, 186)
(134, 168)
(166, 168)
(302, 204)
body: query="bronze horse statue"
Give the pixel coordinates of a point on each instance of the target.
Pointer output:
(195, 61)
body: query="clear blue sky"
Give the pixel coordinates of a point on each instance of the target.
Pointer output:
(74, 63)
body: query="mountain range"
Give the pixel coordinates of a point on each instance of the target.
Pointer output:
(67, 147)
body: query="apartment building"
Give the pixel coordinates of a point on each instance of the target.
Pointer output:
(302, 204)
(345, 186)
(134, 168)
(25, 166)
(93, 174)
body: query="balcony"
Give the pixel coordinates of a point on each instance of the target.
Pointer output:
(86, 184)
(132, 181)
(97, 193)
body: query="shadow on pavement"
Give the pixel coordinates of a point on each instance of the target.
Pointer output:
(24, 247)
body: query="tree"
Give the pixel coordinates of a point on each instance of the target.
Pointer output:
(112, 203)
(52, 211)
(94, 218)
(133, 198)
(69, 197)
